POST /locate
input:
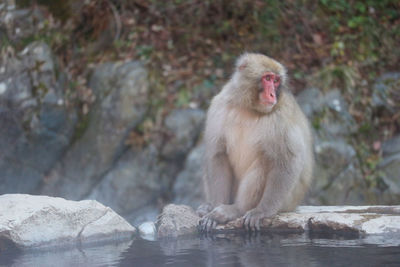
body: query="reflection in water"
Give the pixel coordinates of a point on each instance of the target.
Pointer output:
(220, 250)
(109, 254)
(259, 250)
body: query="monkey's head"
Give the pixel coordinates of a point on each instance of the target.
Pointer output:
(258, 81)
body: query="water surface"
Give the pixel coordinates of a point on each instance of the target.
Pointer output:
(223, 250)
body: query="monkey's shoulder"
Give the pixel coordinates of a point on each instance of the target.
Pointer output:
(291, 113)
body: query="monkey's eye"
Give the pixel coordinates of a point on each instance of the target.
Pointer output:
(276, 80)
(268, 77)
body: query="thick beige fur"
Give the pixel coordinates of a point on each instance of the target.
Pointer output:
(258, 158)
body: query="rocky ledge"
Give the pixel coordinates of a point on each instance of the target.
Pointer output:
(372, 222)
(28, 221)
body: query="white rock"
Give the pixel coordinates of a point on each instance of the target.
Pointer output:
(177, 220)
(147, 230)
(373, 224)
(41, 221)
(3, 88)
(381, 225)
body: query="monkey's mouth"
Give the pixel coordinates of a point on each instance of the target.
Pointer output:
(266, 101)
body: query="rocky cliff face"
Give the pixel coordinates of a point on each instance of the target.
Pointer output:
(47, 147)
(36, 125)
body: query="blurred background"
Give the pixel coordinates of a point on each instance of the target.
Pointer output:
(106, 99)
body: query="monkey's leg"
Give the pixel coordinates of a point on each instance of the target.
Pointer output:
(251, 188)
(278, 185)
(249, 194)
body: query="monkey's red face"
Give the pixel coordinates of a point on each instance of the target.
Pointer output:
(269, 88)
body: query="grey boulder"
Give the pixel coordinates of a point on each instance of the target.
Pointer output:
(28, 221)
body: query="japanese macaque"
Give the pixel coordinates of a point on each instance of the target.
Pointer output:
(258, 158)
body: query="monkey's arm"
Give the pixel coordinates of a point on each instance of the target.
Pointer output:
(218, 177)
(218, 172)
(280, 183)
(218, 185)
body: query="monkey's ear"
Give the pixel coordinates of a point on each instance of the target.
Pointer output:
(242, 66)
(242, 62)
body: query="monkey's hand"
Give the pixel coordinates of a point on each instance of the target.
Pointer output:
(203, 209)
(207, 223)
(251, 220)
(221, 214)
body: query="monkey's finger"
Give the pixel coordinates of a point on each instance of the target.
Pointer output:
(253, 224)
(244, 220)
(241, 222)
(204, 224)
(258, 225)
(247, 223)
(214, 225)
(200, 227)
(209, 225)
